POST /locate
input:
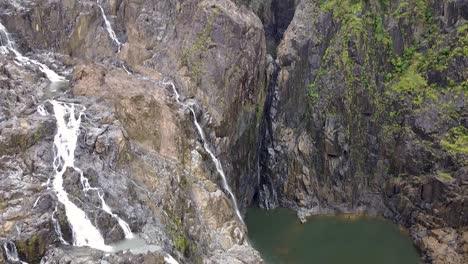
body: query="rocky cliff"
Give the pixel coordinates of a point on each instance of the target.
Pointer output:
(136, 145)
(320, 106)
(366, 113)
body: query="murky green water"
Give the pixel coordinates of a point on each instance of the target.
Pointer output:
(281, 238)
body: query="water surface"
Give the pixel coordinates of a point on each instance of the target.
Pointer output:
(281, 238)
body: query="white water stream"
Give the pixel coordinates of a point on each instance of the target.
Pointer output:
(207, 148)
(12, 253)
(8, 45)
(125, 227)
(57, 228)
(109, 29)
(68, 124)
(84, 233)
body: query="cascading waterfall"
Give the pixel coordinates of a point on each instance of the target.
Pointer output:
(207, 148)
(11, 252)
(112, 35)
(109, 29)
(125, 227)
(8, 45)
(84, 233)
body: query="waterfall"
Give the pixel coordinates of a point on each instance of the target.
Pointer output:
(42, 111)
(11, 252)
(109, 29)
(125, 227)
(84, 233)
(57, 228)
(8, 45)
(207, 148)
(126, 70)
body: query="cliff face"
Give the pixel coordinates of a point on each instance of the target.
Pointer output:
(367, 113)
(137, 145)
(320, 106)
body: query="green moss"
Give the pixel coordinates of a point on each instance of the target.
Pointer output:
(313, 93)
(445, 176)
(381, 35)
(33, 248)
(410, 82)
(341, 8)
(38, 133)
(3, 204)
(348, 11)
(179, 237)
(456, 140)
(192, 56)
(412, 11)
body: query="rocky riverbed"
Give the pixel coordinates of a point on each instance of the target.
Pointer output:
(318, 106)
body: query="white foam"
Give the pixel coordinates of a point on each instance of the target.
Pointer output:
(170, 260)
(84, 233)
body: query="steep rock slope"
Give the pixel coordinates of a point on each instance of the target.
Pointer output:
(366, 112)
(136, 144)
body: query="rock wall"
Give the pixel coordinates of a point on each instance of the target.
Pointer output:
(136, 142)
(368, 97)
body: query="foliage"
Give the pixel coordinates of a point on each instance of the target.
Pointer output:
(456, 140)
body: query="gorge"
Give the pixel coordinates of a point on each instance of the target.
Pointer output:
(144, 130)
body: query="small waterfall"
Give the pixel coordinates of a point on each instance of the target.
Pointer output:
(5, 43)
(84, 233)
(215, 160)
(57, 228)
(42, 111)
(11, 252)
(126, 70)
(109, 29)
(8, 45)
(125, 227)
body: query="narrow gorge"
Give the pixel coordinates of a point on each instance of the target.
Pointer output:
(188, 131)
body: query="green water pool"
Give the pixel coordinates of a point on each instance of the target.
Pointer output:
(281, 238)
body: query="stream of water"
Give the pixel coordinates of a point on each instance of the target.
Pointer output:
(8, 45)
(109, 28)
(65, 142)
(11, 252)
(84, 232)
(280, 238)
(207, 148)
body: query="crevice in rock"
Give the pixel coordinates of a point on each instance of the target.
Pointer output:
(282, 13)
(276, 19)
